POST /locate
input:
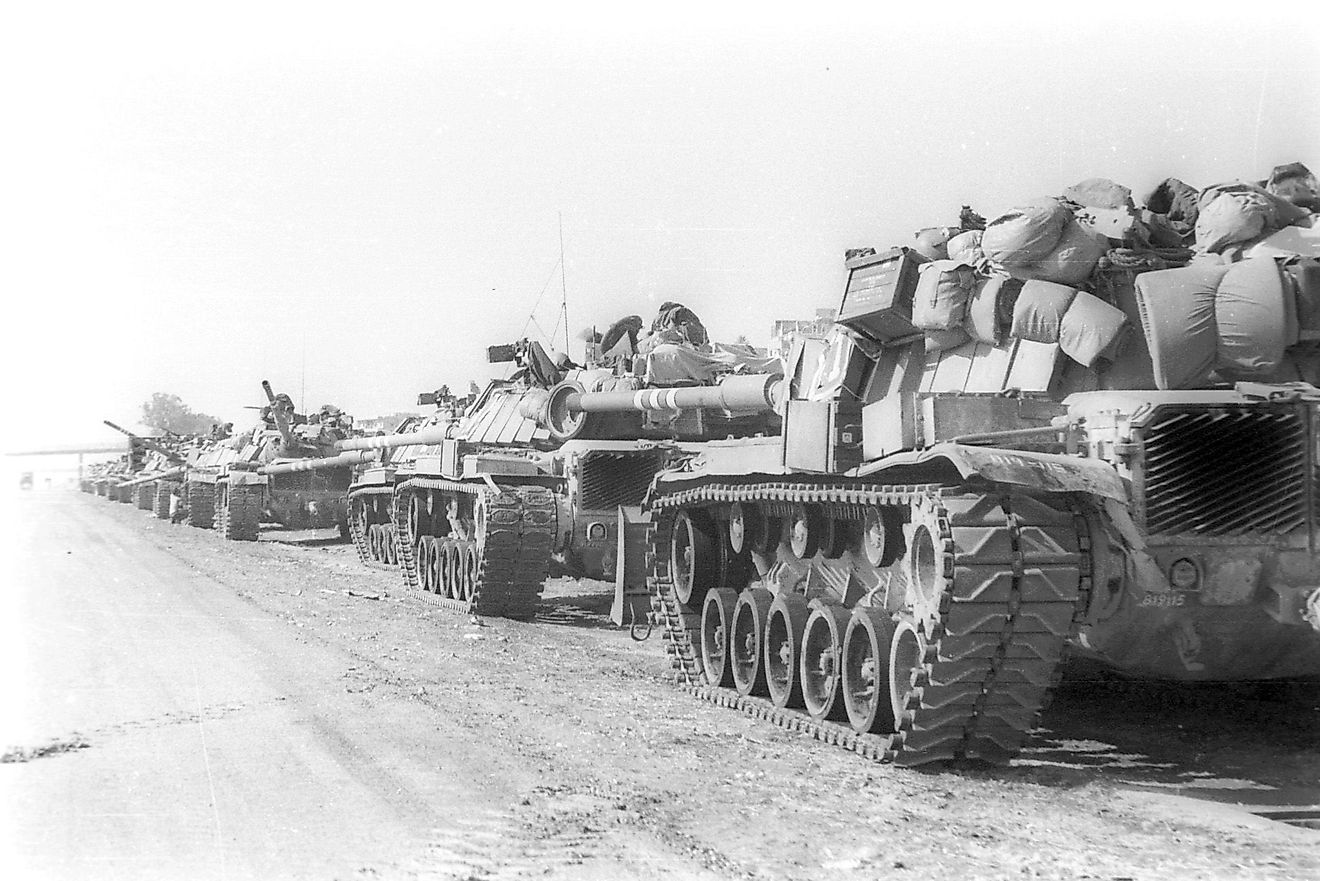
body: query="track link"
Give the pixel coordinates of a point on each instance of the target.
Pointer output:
(357, 528)
(514, 544)
(161, 499)
(201, 504)
(1016, 574)
(242, 512)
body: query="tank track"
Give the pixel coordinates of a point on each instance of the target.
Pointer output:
(161, 499)
(994, 657)
(514, 547)
(146, 495)
(201, 504)
(241, 515)
(356, 530)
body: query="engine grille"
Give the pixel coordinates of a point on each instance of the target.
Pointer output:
(607, 478)
(1226, 470)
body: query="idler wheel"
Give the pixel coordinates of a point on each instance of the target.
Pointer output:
(746, 527)
(882, 536)
(785, 626)
(907, 648)
(746, 645)
(692, 553)
(866, 682)
(716, 625)
(391, 546)
(805, 528)
(822, 648)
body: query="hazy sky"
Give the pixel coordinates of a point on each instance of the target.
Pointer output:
(354, 201)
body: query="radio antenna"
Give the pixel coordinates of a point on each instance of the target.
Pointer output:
(563, 287)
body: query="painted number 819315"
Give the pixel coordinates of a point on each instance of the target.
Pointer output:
(1170, 600)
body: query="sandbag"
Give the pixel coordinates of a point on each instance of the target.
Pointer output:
(939, 340)
(980, 322)
(932, 243)
(1177, 308)
(1039, 309)
(943, 287)
(1025, 235)
(1251, 317)
(966, 247)
(1099, 192)
(1071, 261)
(1295, 183)
(1091, 327)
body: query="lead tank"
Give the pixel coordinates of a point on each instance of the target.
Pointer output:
(903, 571)
(550, 466)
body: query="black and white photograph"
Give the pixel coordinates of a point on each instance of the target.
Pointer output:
(697, 441)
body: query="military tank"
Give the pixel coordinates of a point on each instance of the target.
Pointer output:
(162, 469)
(543, 468)
(298, 495)
(110, 479)
(230, 483)
(903, 571)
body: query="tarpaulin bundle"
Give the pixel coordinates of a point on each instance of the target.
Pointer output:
(1177, 201)
(1296, 183)
(1236, 319)
(1099, 192)
(1238, 212)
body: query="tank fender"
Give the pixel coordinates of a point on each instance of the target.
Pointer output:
(1048, 471)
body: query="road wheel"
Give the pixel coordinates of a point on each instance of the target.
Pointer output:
(716, 624)
(822, 647)
(785, 626)
(747, 643)
(866, 648)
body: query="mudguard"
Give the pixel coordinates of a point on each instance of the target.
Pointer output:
(1047, 471)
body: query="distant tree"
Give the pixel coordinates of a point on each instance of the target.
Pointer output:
(169, 413)
(473, 388)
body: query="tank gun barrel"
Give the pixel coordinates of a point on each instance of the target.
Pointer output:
(147, 442)
(355, 457)
(755, 393)
(281, 418)
(163, 475)
(433, 435)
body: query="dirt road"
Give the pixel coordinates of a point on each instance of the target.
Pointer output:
(188, 708)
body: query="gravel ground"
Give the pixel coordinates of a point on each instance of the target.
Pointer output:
(448, 748)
